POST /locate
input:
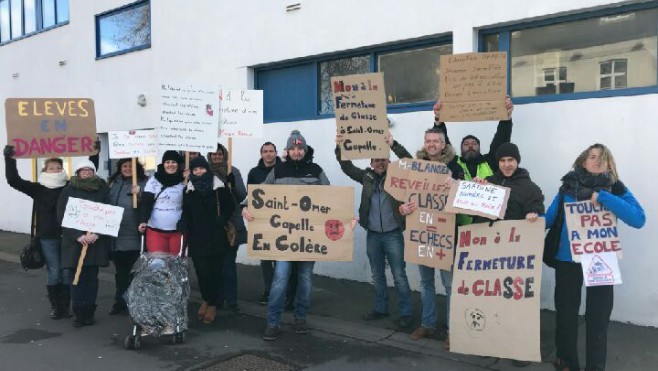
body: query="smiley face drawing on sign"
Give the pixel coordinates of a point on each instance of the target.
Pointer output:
(334, 229)
(475, 319)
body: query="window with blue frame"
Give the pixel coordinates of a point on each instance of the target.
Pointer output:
(123, 30)
(20, 18)
(595, 54)
(301, 90)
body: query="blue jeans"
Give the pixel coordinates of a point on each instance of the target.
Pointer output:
(229, 290)
(428, 295)
(86, 291)
(52, 250)
(388, 246)
(279, 288)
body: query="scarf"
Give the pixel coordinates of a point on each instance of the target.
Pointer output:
(203, 183)
(166, 179)
(580, 183)
(92, 184)
(53, 180)
(220, 170)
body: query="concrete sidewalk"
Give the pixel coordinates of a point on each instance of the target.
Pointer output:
(338, 306)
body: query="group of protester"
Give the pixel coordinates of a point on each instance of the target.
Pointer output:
(207, 202)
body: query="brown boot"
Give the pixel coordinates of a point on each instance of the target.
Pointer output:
(209, 317)
(202, 310)
(422, 332)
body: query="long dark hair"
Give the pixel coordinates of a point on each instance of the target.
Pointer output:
(117, 173)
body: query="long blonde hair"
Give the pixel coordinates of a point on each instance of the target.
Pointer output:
(606, 157)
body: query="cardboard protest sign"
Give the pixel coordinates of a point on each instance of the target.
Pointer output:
(360, 106)
(241, 113)
(51, 127)
(487, 200)
(473, 86)
(592, 229)
(496, 286)
(300, 223)
(133, 143)
(430, 234)
(188, 118)
(601, 269)
(92, 216)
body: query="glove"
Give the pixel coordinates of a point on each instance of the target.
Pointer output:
(9, 151)
(97, 145)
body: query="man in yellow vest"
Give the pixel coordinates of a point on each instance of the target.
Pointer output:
(472, 163)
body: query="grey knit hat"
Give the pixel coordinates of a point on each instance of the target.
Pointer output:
(296, 139)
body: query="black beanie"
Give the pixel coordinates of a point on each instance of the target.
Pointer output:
(172, 155)
(470, 137)
(199, 161)
(508, 150)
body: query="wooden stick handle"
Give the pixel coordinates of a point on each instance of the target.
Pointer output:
(134, 167)
(229, 160)
(81, 261)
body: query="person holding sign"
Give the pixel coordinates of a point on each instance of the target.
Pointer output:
(298, 169)
(162, 206)
(593, 177)
(86, 185)
(125, 248)
(380, 216)
(48, 229)
(526, 200)
(207, 208)
(472, 163)
(233, 179)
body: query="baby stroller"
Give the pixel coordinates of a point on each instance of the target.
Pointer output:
(157, 297)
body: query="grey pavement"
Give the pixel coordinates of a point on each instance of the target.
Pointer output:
(339, 338)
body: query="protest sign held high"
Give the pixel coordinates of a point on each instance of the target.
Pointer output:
(295, 223)
(360, 106)
(430, 235)
(133, 143)
(188, 118)
(496, 290)
(594, 242)
(486, 200)
(473, 86)
(51, 127)
(241, 113)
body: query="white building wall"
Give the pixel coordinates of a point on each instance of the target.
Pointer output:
(214, 42)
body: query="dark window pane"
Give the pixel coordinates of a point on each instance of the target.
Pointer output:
(338, 67)
(563, 73)
(16, 19)
(605, 82)
(581, 46)
(620, 65)
(620, 82)
(491, 43)
(413, 75)
(48, 12)
(5, 34)
(30, 16)
(62, 11)
(125, 30)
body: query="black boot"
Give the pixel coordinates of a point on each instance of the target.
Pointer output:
(53, 297)
(64, 300)
(121, 283)
(89, 311)
(79, 313)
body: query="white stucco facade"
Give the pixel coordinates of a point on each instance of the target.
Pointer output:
(215, 42)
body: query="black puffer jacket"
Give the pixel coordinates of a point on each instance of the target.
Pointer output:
(45, 201)
(525, 196)
(258, 174)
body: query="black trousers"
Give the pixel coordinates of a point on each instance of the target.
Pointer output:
(123, 264)
(209, 272)
(599, 299)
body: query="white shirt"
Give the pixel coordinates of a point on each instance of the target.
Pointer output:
(168, 206)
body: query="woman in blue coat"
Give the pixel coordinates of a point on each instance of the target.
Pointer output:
(594, 177)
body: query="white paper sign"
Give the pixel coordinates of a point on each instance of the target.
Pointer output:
(472, 198)
(601, 269)
(133, 143)
(188, 118)
(92, 216)
(241, 113)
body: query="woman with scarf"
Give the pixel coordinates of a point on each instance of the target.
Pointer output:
(125, 247)
(86, 185)
(218, 165)
(162, 206)
(207, 207)
(593, 177)
(44, 194)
